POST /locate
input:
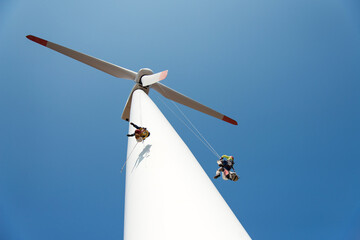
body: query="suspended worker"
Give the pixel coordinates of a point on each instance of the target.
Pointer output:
(141, 133)
(226, 163)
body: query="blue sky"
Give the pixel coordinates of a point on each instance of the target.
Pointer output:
(287, 71)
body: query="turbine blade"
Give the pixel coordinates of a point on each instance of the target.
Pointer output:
(184, 100)
(126, 112)
(151, 79)
(99, 64)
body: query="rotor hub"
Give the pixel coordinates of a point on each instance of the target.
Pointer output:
(142, 72)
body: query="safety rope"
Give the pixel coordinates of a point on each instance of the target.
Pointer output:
(198, 135)
(214, 151)
(181, 120)
(128, 157)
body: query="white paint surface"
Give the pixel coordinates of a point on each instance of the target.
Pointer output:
(168, 194)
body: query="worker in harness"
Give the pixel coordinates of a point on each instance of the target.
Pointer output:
(226, 163)
(140, 133)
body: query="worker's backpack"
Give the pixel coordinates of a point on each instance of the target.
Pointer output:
(233, 176)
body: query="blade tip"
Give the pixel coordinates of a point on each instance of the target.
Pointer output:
(37, 40)
(163, 75)
(229, 120)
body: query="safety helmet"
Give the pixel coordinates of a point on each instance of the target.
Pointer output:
(231, 157)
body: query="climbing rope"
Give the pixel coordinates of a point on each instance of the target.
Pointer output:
(197, 133)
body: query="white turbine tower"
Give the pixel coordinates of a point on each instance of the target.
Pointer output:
(168, 195)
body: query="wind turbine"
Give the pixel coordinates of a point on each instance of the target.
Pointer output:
(168, 195)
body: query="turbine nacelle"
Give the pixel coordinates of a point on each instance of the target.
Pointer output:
(144, 79)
